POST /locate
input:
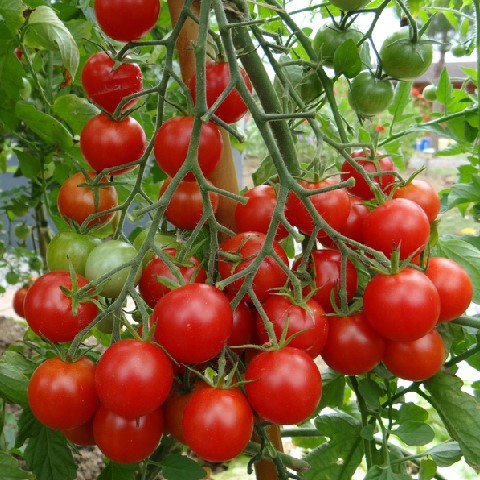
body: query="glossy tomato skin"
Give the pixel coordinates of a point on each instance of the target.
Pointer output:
(453, 285)
(401, 307)
(257, 213)
(397, 223)
(127, 441)
(151, 289)
(62, 395)
(369, 95)
(326, 269)
(81, 435)
(307, 322)
(217, 423)
(333, 206)
(423, 194)
(18, 300)
(286, 385)
(353, 347)
(193, 322)
(217, 78)
(416, 360)
(243, 328)
(107, 256)
(77, 202)
(133, 378)
(172, 141)
(107, 86)
(106, 143)
(185, 208)
(247, 245)
(361, 188)
(126, 21)
(48, 310)
(69, 246)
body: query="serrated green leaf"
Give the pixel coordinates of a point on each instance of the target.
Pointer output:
(445, 454)
(46, 30)
(15, 371)
(44, 125)
(49, 457)
(10, 469)
(400, 100)
(333, 389)
(117, 471)
(180, 467)
(346, 60)
(74, 111)
(11, 15)
(444, 88)
(344, 443)
(28, 426)
(460, 413)
(467, 256)
(414, 433)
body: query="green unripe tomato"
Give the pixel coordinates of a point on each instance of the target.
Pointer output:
(12, 277)
(105, 325)
(458, 51)
(160, 240)
(403, 59)
(71, 246)
(349, 5)
(19, 210)
(22, 231)
(106, 257)
(35, 263)
(311, 87)
(430, 93)
(329, 38)
(369, 95)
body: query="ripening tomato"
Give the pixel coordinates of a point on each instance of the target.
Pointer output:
(124, 20)
(107, 85)
(49, 311)
(423, 194)
(307, 323)
(75, 202)
(62, 395)
(185, 208)
(284, 385)
(333, 206)
(193, 322)
(416, 360)
(217, 79)
(81, 435)
(247, 245)
(398, 223)
(403, 306)
(127, 441)
(106, 143)
(151, 287)
(217, 423)
(18, 299)
(353, 347)
(453, 285)
(361, 188)
(257, 213)
(173, 139)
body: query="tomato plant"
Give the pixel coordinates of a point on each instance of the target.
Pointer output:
(369, 95)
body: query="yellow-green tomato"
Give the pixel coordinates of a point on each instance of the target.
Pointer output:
(70, 246)
(106, 257)
(349, 5)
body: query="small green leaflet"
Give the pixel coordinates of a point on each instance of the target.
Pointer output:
(118, 471)
(445, 454)
(180, 467)
(15, 371)
(414, 433)
(385, 473)
(444, 88)
(11, 15)
(74, 111)
(10, 470)
(400, 100)
(346, 59)
(46, 30)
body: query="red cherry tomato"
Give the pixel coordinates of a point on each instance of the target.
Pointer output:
(453, 285)
(49, 312)
(423, 194)
(243, 329)
(18, 299)
(81, 435)
(217, 423)
(397, 223)
(62, 395)
(401, 307)
(333, 206)
(106, 143)
(173, 139)
(416, 360)
(285, 385)
(217, 78)
(353, 347)
(106, 85)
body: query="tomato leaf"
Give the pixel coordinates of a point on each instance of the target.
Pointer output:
(11, 16)
(345, 442)
(414, 433)
(118, 471)
(44, 125)
(333, 389)
(466, 255)
(180, 467)
(385, 473)
(444, 88)
(460, 413)
(28, 426)
(49, 457)
(412, 412)
(400, 100)
(445, 454)
(265, 170)
(74, 111)
(11, 470)
(428, 469)
(371, 393)
(15, 371)
(46, 30)
(346, 59)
